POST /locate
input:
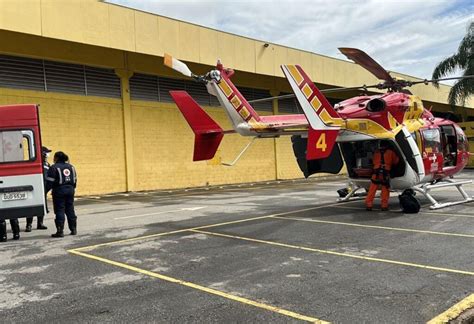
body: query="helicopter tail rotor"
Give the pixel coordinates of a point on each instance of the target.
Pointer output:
(178, 66)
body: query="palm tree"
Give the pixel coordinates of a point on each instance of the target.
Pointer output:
(464, 61)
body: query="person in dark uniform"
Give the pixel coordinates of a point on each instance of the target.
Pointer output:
(29, 220)
(15, 229)
(62, 179)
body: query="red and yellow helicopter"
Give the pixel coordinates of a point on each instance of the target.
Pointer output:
(432, 150)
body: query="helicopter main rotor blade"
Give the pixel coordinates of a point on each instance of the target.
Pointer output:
(292, 95)
(425, 81)
(368, 63)
(177, 65)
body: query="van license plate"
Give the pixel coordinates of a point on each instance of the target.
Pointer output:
(21, 195)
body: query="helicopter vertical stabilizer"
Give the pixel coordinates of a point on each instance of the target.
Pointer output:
(208, 134)
(324, 121)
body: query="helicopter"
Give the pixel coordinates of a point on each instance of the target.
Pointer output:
(431, 150)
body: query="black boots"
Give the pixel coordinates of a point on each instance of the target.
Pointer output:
(40, 223)
(15, 228)
(59, 230)
(73, 227)
(3, 231)
(29, 221)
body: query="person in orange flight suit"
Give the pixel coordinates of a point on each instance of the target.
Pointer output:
(384, 159)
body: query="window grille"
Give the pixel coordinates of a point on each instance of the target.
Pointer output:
(43, 75)
(253, 94)
(64, 77)
(167, 84)
(102, 82)
(21, 73)
(144, 87)
(289, 105)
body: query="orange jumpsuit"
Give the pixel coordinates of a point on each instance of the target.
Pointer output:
(390, 158)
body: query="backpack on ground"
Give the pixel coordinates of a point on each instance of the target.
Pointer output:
(408, 203)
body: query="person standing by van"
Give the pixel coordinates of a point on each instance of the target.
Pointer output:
(29, 220)
(15, 229)
(62, 179)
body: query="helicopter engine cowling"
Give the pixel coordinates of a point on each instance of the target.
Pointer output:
(376, 105)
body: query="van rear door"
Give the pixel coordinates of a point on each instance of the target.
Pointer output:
(21, 166)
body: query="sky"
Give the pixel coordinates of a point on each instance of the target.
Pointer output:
(406, 36)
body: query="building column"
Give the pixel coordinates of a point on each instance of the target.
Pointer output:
(124, 76)
(275, 93)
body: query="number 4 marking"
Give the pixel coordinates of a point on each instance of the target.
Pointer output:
(321, 143)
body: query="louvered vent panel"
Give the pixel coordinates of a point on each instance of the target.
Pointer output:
(21, 73)
(264, 106)
(289, 105)
(65, 77)
(253, 94)
(199, 92)
(102, 82)
(144, 87)
(167, 84)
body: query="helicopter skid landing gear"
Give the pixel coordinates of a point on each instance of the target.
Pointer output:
(426, 188)
(352, 193)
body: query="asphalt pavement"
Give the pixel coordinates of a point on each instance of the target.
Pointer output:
(266, 252)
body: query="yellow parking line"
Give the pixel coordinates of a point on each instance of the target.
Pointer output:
(454, 311)
(90, 247)
(201, 288)
(372, 226)
(451, 215)
(408, 264)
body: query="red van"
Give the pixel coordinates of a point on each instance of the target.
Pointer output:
(21, 170)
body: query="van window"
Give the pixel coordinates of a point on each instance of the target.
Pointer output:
(17, 146)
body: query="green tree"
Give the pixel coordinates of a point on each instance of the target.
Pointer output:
(462, 60)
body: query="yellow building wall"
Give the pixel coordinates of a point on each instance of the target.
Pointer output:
(287, 167)
(98, 34)
(163, 150)
(105, 25)
(88, 129)
(468, 128)
(471, 157)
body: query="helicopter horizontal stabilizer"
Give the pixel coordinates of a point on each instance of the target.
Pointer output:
(323, 120)
(208, 134)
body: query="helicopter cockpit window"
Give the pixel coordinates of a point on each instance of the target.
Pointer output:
(432, 140)
(462, 143)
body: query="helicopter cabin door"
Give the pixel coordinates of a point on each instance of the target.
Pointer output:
(449, 145)
(408, 145)
(432, 151)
